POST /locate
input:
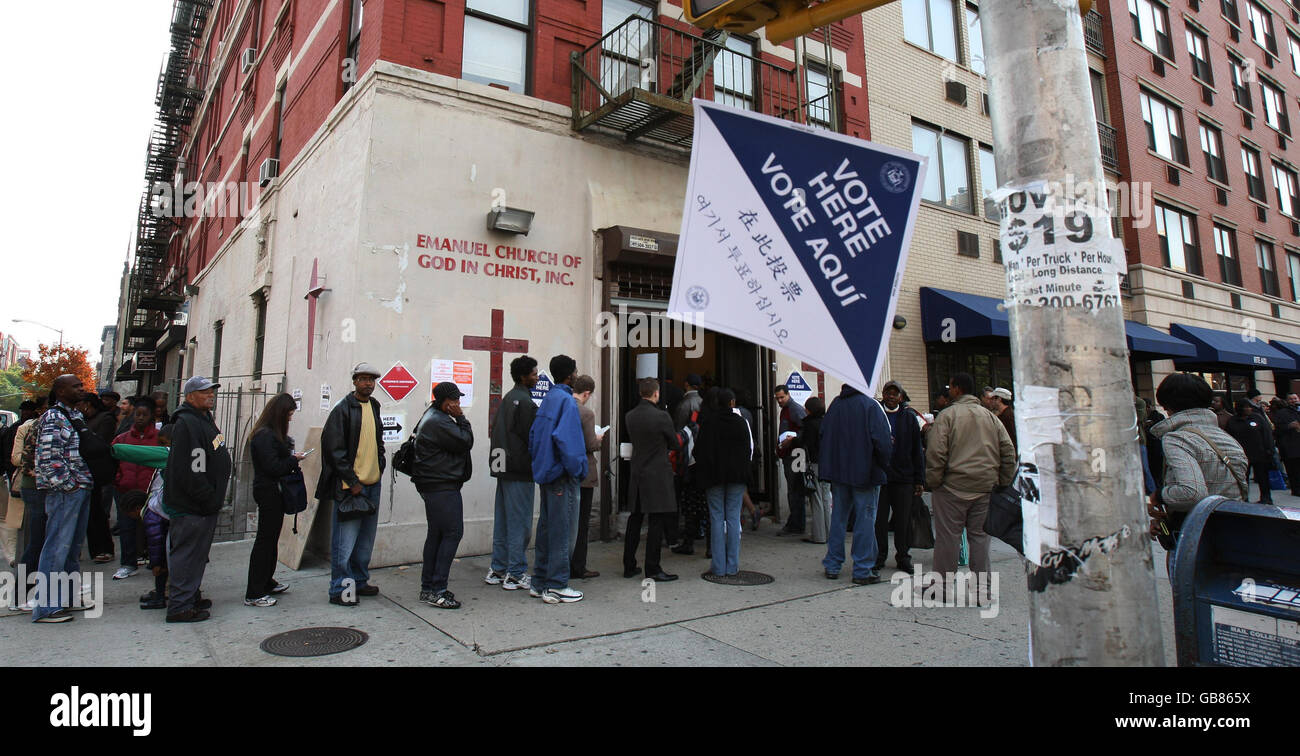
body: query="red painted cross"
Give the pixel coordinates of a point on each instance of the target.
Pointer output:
(496, 345)
(821, 381)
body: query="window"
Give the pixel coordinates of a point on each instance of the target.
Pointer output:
(976, 37)
(1274, 108)
(1229, 10)
(1288, 193)
(1261, 27)
(1197, 47)
(216, 349)
(1293, 45)
(622, 52)
(947, 181)
(733, 74)
(1151, 26)
(1225, 248)
(1164, 128)
(819, 97)
(1178, 244)
(259, 336)
(1240, 92)
(496, 43)
(279, 119)
(931, 24)
(1254, 173)
(1293, 271)
(1212, 147)
(1267, 272)
(1099, 96)
(354, 42)
(988, 183)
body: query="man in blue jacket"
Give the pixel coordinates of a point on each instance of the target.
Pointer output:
(559, 453)
(856, 449)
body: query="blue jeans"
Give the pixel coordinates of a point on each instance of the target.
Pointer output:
(1148, 480)
(863, 502)
(34, 521)
(558, 508)
(512, 520)
(351, 544)
(65, 512)
(125, 532)
(724, 531)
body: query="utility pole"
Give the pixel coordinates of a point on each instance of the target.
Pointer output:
(1092, 592)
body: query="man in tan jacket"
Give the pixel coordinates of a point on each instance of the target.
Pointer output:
(968, 454)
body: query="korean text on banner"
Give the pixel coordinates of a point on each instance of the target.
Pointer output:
(795, 238)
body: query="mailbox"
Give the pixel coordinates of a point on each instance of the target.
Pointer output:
(1236, 583)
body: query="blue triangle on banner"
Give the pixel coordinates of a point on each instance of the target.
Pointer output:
(851, 262)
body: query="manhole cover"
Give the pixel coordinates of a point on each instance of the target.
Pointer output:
(314, 641)
(740, 578)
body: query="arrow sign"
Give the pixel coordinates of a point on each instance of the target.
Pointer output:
(398, 382)
(392, 427)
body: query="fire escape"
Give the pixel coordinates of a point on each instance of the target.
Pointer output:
(153, 296)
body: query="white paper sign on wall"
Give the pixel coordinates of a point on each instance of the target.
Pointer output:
(459, 372)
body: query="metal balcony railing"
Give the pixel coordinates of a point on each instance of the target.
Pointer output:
(1109, 147)
(639, 80)
(1092, 34)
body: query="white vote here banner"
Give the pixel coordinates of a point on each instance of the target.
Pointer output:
(795, 238)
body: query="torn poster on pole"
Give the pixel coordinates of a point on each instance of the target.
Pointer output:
(795, 238)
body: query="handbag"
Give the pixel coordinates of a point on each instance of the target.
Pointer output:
(809, 480)
(1276, 480)
(922, 525)
(1005, 520)
(355, 506)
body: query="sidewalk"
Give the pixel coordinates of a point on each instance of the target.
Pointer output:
(800, 619)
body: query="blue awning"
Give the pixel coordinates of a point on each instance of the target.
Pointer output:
(1231, 348)
(1289, 348)
(1147, 343)
(972, 316)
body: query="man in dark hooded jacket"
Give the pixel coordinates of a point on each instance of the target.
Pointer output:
(854, 456)
(906, 475)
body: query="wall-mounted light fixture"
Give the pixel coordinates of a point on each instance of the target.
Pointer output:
(509, 219)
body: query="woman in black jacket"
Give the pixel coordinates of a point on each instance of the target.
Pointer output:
(443, 440)
(271, 449)
(1256, 439)
(722, 456)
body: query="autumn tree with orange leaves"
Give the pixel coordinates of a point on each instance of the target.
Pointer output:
(54, 361)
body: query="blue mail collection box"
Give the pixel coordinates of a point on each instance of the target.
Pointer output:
(1236, 583)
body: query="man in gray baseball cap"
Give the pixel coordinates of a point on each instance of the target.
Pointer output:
(194, 486)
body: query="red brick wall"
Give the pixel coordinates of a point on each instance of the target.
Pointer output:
(1128, 63)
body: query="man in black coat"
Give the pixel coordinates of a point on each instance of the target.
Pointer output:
(1286, 427)
(352, 463)
(650, 486)
(511, 464)
(906, 480)
(194, 488)
(1256, 439)
(441, 466)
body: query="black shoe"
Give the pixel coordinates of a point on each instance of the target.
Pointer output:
(687, 550)
(368, 590)
(189, 615)
(631, 573)
(904, 564)
(203, 604)
(662, 577)
(340, 601)
(868, 580)
(832, 575)
(154, 603)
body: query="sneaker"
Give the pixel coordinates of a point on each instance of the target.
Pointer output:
(61, 615)
(533, 590)
(280, 588)
(561, 596)
(514, 583)
(142, 560)
(28, 607)
(494, 578)
(124, 572)
(263, 601)
(442, 600)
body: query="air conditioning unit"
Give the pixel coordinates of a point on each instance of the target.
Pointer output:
(247, 59)
(269, 170)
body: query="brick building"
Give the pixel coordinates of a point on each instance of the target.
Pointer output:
(1202, 95)
(368, 141)
(8, 351)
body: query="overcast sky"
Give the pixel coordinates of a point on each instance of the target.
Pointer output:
(80, 79)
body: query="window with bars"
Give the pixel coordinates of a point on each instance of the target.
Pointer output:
(1198, 45)
(1267, 270)
(1178, 242)
(1250, 164)
(819, 96)
(947, 180)
(733, 74)
(621, 52)
(1164, 123)
(1225, 248)
(1288, 193)
(1151, 26)
(1212, 148)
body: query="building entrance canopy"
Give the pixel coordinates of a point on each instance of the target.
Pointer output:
(1229, 349)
